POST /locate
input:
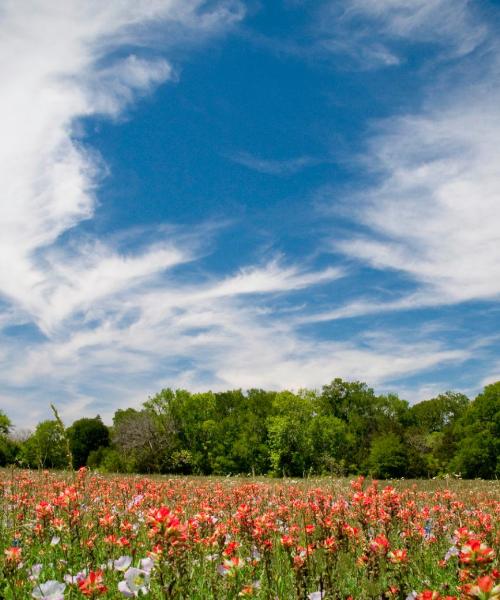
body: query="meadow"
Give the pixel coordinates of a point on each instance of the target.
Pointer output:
(85, 535)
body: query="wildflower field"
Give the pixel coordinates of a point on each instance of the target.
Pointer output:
(84, 535)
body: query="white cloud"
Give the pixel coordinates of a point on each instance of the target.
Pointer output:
(369, 31)
(287, 166)
(444, 22)
(436, 213)
(54, 70)
(203, 339)
(493, 376)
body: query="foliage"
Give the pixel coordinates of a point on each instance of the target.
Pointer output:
(345, 428)
(479, 429)
(8, 449)
(5, 424)
(45, 448)
(84, 436)
(387, 457)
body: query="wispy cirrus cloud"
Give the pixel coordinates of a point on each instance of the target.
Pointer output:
(430, 202)
(287, 166)
(435, 213)
(59, 64)
(369, 32)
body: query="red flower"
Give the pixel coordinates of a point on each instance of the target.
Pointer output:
(429, 595)
(379, 544)
(474, 552)
(13, 555)
(398, 556)
(92, 585)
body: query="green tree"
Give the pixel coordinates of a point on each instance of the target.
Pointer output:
(8, 448)
(438, 413)
(5, 424)
(332, 445)
(387, 457)
(45, 448)
(289, 441)
(478, 434)
(84, 436)
(195, 418)
(364, 413)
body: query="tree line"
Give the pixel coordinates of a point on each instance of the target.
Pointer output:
(343, 429)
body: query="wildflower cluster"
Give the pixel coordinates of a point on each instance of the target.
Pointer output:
(89, 536)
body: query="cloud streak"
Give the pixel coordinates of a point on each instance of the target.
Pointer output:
(371, 33)
(436, 213)
(268, 166)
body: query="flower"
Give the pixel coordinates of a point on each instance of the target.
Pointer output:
(483, 588)
(136, 582)
(13, 554)
(428, 595)
(379, 544)
(74, 579)
(147, 564)
(50, 590)
(230, 567)
(122, 563)
(92, 585)
(474, 552)
(398, 556)
(35, 571)
(452, 551)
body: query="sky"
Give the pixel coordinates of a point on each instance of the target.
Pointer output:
(238, 193)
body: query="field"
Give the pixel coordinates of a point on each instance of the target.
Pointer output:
(84, 535)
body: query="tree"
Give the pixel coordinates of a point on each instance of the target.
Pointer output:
(332, 445)
(289, 442)
(45, 448)
(84, 436)
(357, 405)
(5, 424)
(137, 437)
(438, 413)
(195, 420)
(387, 457)
(7, 447)
(478, 434)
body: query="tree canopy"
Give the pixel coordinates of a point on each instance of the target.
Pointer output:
(344, 428)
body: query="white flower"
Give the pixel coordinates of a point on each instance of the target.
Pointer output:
(453, 551)
(50, 590)
(256, 554)
(55, 540)
(122, 563)
(316, 595)
(135, 501)
(211, 557)
(136, 582)
(147, 564)
(74, 579)
(125, 590)
(35, 572)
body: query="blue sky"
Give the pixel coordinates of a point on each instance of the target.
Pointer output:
(230, 194)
